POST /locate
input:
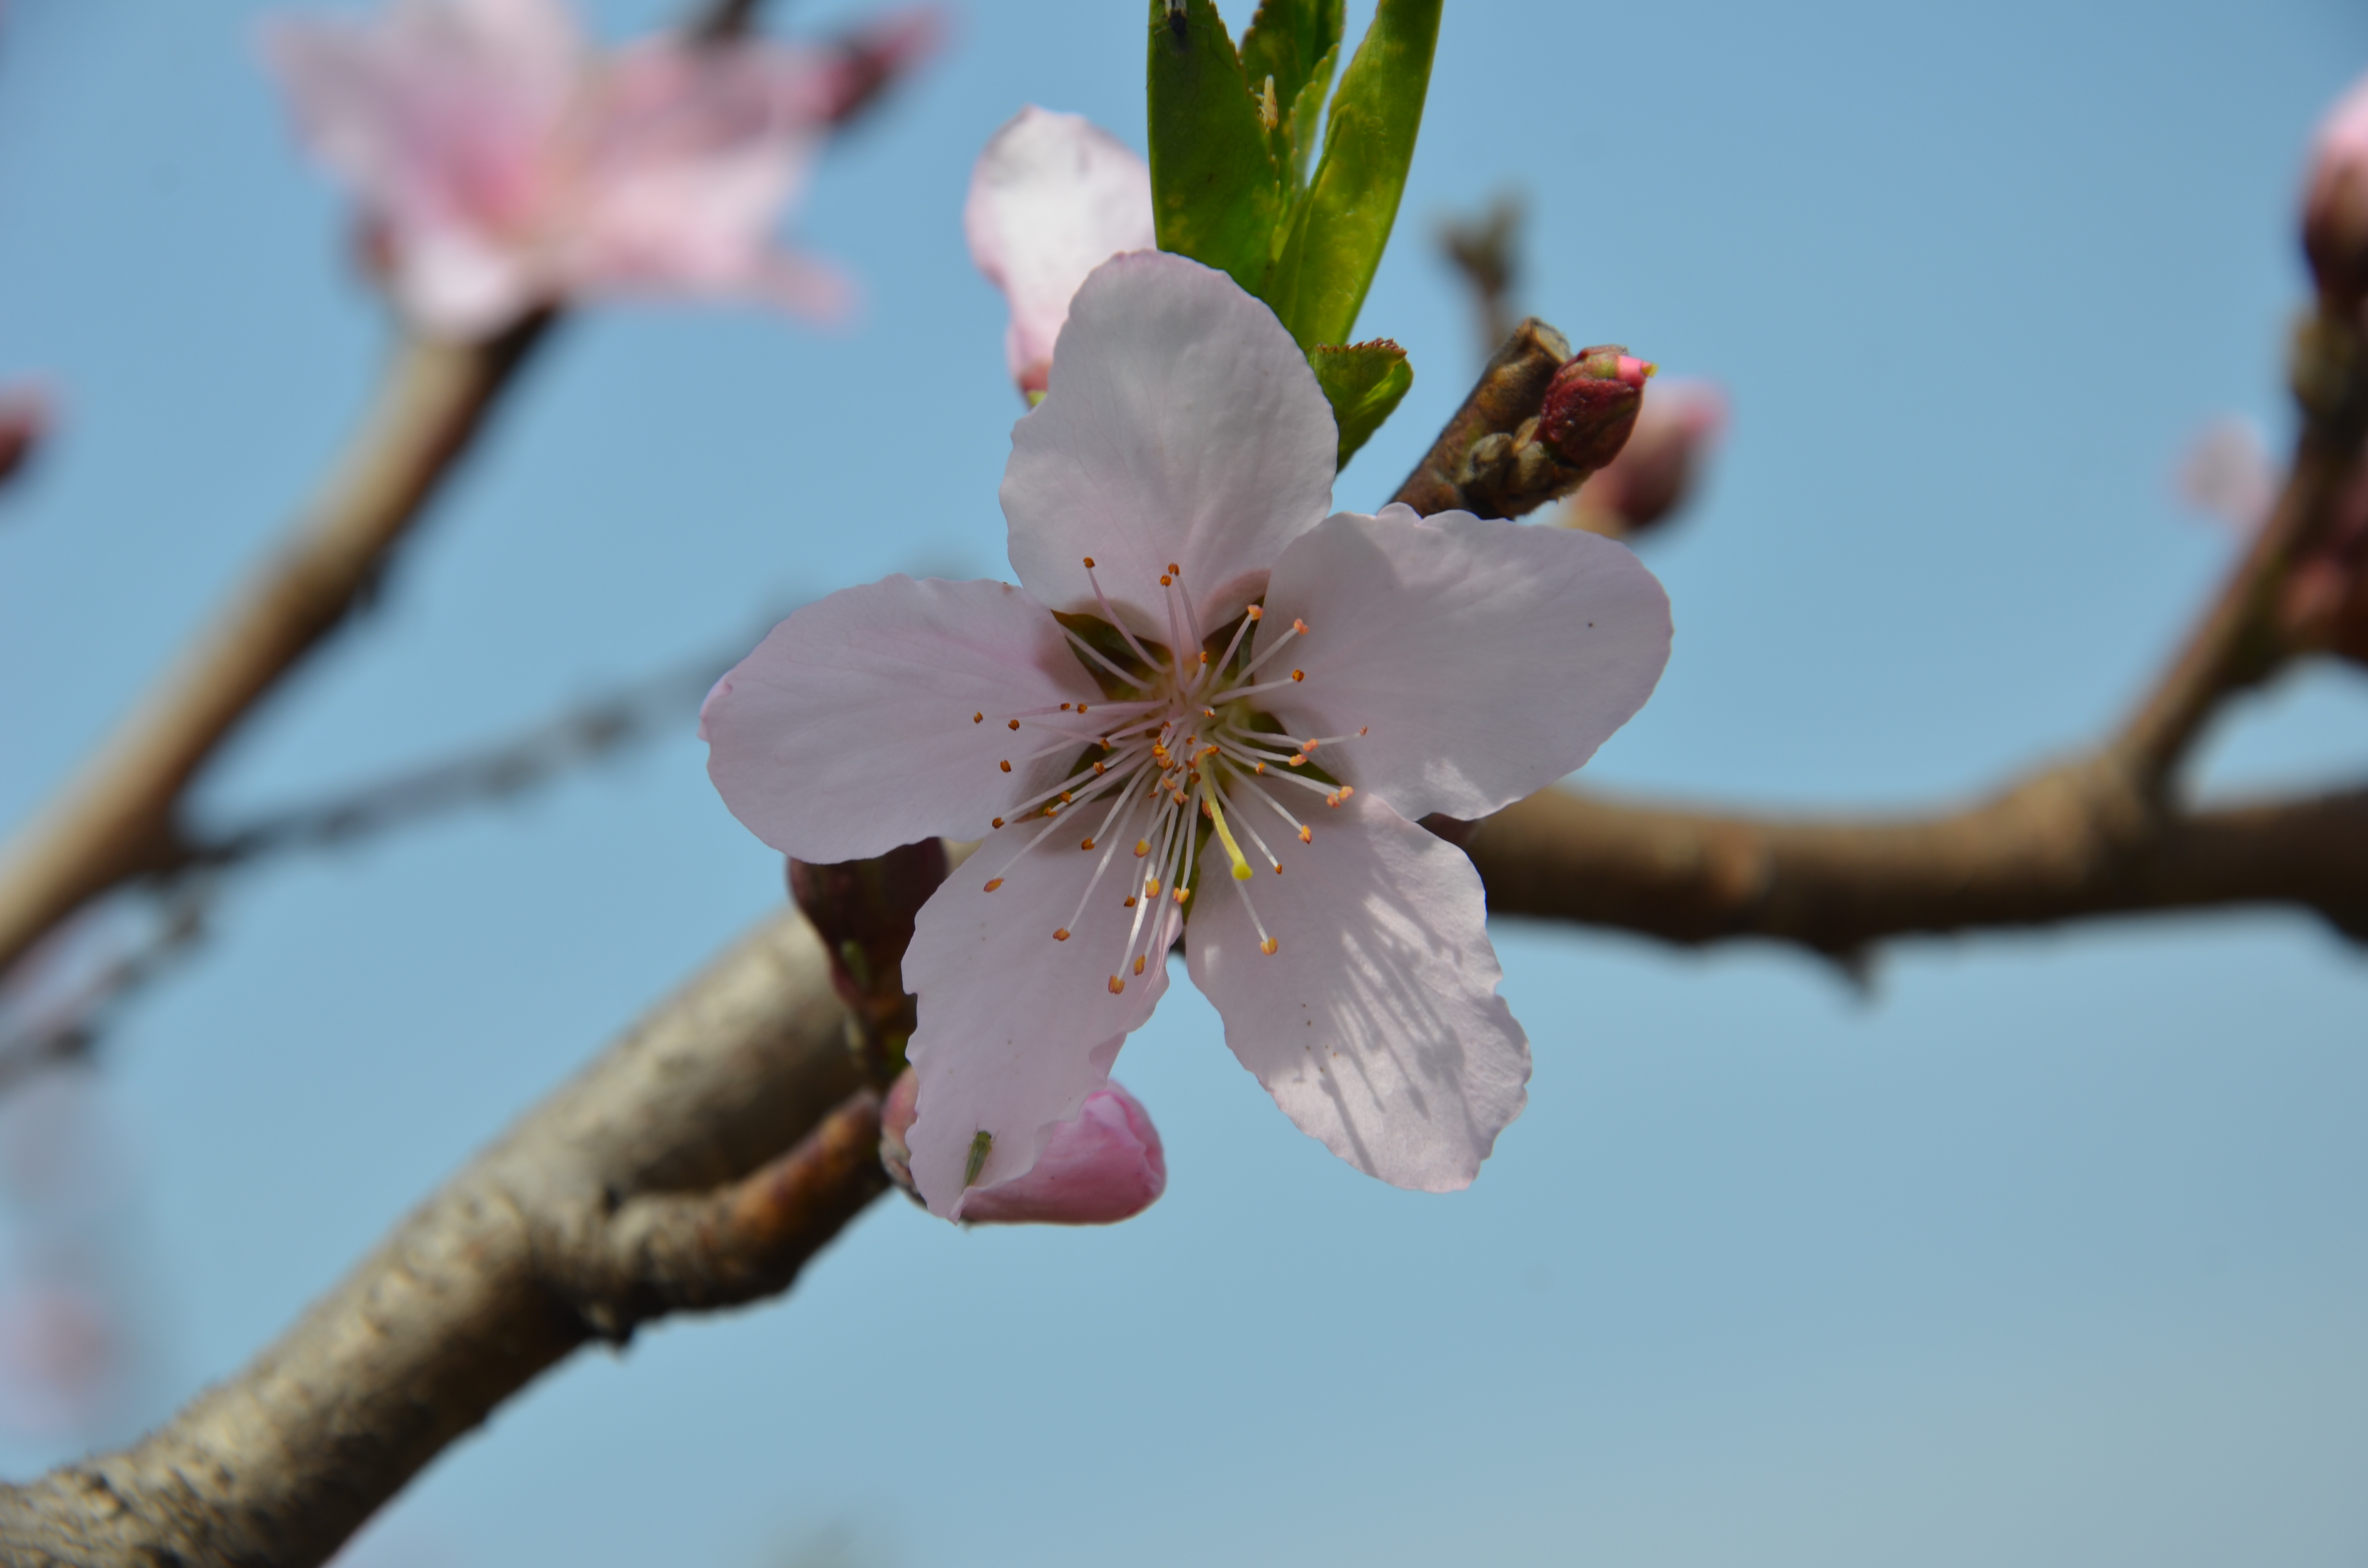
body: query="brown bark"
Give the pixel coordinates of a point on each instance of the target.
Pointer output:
(2065, 845)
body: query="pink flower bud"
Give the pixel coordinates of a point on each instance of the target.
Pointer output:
(1591, 404)
(1104, 1166)
(2335, 207)
(1655, 473)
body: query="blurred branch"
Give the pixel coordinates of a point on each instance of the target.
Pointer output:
(587, 732)
(2238, 642)
(697, 1164)
(1486, 248)
(184, 889)
(119, 818)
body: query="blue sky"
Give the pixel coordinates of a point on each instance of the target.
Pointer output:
(2048, 1248)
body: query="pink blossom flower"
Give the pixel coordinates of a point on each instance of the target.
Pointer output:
(505, 164)
(1208, 698)
(1052, 196)
(1102, 1166)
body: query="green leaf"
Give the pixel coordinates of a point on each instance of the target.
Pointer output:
(1296, 43)
(1217, 191)
(1364, 383)
(1328, 259)
(1299, 129)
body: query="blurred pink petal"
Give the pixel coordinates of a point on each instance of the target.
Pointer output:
(60, 1348)
(1052, 196)
(1655, 474)
(2228, 473)
(1103, 1165)
(504, 165)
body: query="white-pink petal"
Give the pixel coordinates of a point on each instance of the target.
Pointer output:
(1016, 1026)
(1375, 1023)
(1052, 196)
(878, 716)
(1182, 427)
(1474, 662)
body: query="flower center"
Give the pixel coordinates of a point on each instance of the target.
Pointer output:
(1183, 763)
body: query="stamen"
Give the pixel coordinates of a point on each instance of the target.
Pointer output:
(978, 718)
(1267, 946)
(994, 883)
(1117, 986)
(1062, 934)
(1110, 614)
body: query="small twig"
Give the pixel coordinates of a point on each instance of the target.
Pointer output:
(587, 732)
(666, 1253)
(2238, 644)
(1510, 391)
(1487, 250)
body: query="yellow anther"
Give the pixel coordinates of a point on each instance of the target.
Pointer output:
(993, 884)
(1268, 946)
(1151, 886)
(1299, 674)
(1089, 562)
(1015, 723)
(1138, 963)
(1306, 835)
(1180, 895)
(1128, 903)
(1167, 582)
(1175, 569)
(1299, 626)
(978, 718)
(999, 821)
(1062, 934)
(1142, 847)
(1089, 844)
(1007, 765)
(1117, 986)
(1257, 613)
(1242, 871)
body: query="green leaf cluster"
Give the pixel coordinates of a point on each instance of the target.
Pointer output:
(1233, 137)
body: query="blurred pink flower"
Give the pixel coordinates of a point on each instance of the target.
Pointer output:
(61, 1350)
(1209, 678)
(1102, 1166)
(2228, 473)
(1656, 472)
(1052, 196)
(505, 164)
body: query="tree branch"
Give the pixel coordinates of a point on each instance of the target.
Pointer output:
(697, 1162)
(2069, 843)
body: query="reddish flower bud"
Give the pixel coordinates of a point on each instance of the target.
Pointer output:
(1104, 1166)
(2335, 207)
(1591, 404)
(1655, 473)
